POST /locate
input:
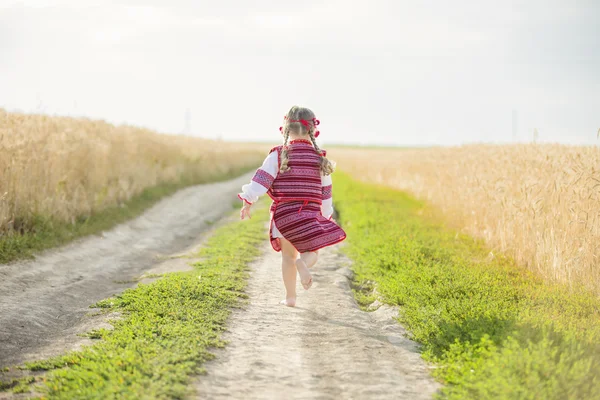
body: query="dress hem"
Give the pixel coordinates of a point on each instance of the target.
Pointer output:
(272, 239)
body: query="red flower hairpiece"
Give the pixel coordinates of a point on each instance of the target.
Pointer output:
(316, 122)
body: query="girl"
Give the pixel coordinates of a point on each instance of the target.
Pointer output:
(297, 176)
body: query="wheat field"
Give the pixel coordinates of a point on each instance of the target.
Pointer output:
(63, 167)
(537, 203)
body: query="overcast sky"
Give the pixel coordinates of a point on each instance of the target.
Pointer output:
(376, 71)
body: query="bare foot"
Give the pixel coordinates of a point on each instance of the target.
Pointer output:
(305, 275)
(288, 302)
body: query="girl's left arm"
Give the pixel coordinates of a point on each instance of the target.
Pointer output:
(261, 181)
(327, 200)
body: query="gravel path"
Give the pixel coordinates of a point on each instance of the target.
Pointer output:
(325, 348)
(43, 302)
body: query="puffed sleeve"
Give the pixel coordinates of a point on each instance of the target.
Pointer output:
(262, 179)
(327, 204)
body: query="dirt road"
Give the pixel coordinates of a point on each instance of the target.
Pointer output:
(325, 348)
(43, 302)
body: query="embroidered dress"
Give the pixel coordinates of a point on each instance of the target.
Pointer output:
(302, 202)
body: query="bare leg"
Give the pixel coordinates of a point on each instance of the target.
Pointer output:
(310, 258)
(288, 271)
(305, 275)
(302, 267)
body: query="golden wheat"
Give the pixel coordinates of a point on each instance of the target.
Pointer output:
(65, 167)
(537, 203)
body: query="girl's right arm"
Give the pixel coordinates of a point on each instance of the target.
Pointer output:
(262, 180)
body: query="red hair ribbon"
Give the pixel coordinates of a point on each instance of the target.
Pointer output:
(302, 121)
(305, 123)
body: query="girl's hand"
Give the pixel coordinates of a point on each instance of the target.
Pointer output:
(245, 212)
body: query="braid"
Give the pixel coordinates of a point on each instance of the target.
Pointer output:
(326, 165)
(314, 141)
(284, 153)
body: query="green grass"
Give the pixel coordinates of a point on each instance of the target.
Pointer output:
(20, 385)
(495, 330)
(45, 233)
(167, 329)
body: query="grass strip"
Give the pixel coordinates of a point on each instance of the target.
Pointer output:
(17, 385)
(46, 232)
(496, 331)
(167, 329)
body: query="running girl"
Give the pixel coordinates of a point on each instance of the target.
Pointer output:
(297, 176)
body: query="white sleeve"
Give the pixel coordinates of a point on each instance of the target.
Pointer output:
(327, 204)
(262, 179)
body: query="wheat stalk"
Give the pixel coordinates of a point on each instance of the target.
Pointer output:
(538, 203)
(66, 167)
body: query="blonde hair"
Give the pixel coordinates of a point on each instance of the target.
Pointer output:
(292, 124)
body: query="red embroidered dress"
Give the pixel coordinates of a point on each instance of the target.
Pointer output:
(302, 203)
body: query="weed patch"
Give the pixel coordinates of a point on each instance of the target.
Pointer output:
(496, 330)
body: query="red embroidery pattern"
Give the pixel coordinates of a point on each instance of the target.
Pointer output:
(307, 230)
(303, 180)
(327, 192)
(264, 178)
(297, 195)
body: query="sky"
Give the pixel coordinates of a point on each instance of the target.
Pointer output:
(382, 72)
